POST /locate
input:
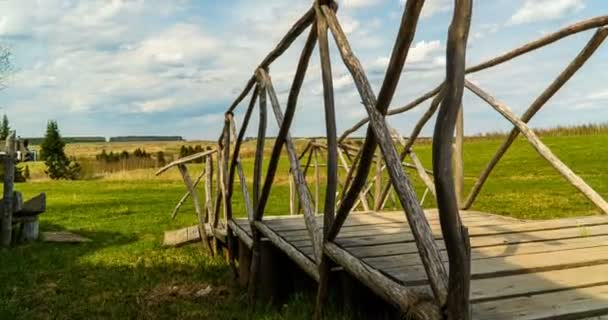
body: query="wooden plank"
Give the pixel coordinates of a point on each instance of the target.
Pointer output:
(394, 244)
(477, 228)
(412, 259)
(511, 265)
(569, 304)
(242, 231)
(295, 223)
(527, 284)
(180, 237)
(486, 240)
(34, 206)
(484, 226)
(185, 160)
(533, 283)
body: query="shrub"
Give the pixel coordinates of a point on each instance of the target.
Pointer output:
(160, 158)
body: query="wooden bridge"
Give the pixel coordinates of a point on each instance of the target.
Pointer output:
(446, 263)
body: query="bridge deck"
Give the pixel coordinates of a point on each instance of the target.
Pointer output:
(520, 270)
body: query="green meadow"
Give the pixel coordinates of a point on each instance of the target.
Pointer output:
(124, 273)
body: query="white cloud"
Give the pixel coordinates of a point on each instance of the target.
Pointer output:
(540, 10)
(358, 3)
(423, 55)
(433, 7)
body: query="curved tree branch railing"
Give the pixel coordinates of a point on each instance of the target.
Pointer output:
(450, 288)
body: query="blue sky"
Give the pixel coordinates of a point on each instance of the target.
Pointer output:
(172, 67)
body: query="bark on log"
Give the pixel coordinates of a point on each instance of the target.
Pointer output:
(298, 257)
(235, 164)
(329, 207)
(457, 305)
(259, 149)
(283, 137)
(422, 173)
(185, 160)
(186, 195)
(209, 186)
(6, 230)
(197, 206)
(314, 231)
(417, 130)
(380, 133)
(541, 148)
(458, 159)
(414, 304)
(563, 77)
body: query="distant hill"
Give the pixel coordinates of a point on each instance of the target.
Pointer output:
(145, 138)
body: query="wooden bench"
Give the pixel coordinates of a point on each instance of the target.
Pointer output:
(25, 216)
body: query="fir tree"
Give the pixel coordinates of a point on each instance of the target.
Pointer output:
(52, 152)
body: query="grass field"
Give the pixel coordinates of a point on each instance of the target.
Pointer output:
(124, 273)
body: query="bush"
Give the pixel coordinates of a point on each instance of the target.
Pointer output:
(160, 158)
(58, 166)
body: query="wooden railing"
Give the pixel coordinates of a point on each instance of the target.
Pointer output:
(450, 289)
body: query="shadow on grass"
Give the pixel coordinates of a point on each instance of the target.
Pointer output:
(113, 276)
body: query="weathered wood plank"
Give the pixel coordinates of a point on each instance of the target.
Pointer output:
(411, 259)
(180, 237)
(569, 304)
(185, 160)
(243, 232)
(511, 265)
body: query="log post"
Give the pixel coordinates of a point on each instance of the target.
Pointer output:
(455, 235)
(9, 180)
(332, 153)
(378, 182)
(378, 133)
(458, 160)
(315, 150)
(197, 206)
(244, 263)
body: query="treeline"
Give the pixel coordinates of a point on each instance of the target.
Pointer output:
(38, 141)
(568, 130)
(145, 138)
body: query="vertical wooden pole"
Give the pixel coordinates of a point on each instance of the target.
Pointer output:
(458, 160)
(317, 178)
(378, 182)
(9, 180)
(292, 195)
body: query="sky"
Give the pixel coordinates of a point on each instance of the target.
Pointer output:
(134, 67)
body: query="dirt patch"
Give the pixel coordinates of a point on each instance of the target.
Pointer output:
(169, 292)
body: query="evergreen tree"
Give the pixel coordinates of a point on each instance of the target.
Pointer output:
(5, 128)
(52, 152)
